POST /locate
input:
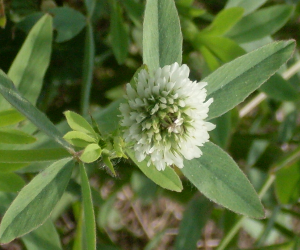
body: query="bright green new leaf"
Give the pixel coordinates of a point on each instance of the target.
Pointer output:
(217, 176)
(29, 67)
(11, 182)
(222, 47)
(13, 136)
(35, 202)
(279, 89)
(287, 184)
(68, 23)
(260, 24)
(45, 237)
(249, 6)
(10, 117)
(79, 139)
(91, 153)
(8, 90)
(32, 155)
(119, 33)
(224, 21)
(194, 219)
(88, 210)
(166, 179)
(78, 123)
(233, 82)
(162, 38)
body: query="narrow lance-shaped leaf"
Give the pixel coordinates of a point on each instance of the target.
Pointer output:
(233, 82)
(29, 67)
(217, 176)
(8, 90)
(88, 210)
(35, 202)
(13, 136)
(162, 38)
(32, 155)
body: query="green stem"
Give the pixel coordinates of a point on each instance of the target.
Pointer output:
(88, 68)
(234, 230)
(88, 210)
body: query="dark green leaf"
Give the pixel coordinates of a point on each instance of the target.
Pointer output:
(35, 202)
(260, 24)
(68, 23)
(11, 182)
(32, 155)
(279, 89)
(162, 38)
(217, 176)
(233, 82)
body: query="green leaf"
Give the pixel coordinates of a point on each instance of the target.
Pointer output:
(192, 223)
(10, 117)
(260, 24)
(88, 210)
(78, 123)
(224, 21)
(249, 6)
(8, 90)
(279, 89)
(11, 167)
(29, 67)
(13, 136)
(35, 202)
(32, 155)
(11, 182)
(217, 176)
(79, 139)
(162, 38)
(222, 47)
(287, 184)
(68, 23)
(166, 179)
(45, 237)
(91, 153)
(119, 33)
(233, 82)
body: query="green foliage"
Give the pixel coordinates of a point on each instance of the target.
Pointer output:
(46, 188)
(68, 55)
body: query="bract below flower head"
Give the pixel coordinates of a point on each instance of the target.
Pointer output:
(164, 116)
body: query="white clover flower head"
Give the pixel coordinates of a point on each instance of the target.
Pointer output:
(164, 116)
